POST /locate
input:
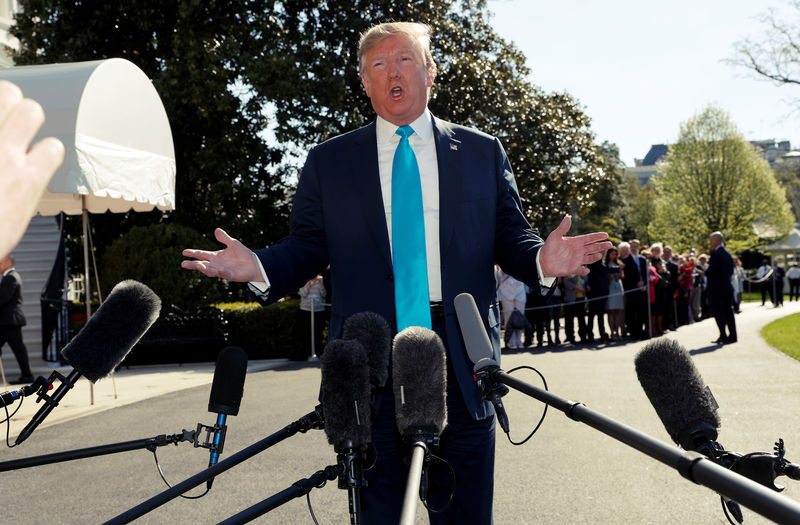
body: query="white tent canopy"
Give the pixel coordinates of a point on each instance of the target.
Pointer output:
(119, 151)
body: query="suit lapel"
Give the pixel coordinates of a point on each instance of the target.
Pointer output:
(367, 182)
(448, 161)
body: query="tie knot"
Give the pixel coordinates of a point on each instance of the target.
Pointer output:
(405, 131)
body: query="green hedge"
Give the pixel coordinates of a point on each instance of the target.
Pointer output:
(264, 333)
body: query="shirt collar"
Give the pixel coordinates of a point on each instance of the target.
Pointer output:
(386, 131)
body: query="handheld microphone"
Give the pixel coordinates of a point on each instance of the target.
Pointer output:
(346, 404)
(374, 334)
(480, 352)
(227, 389)
(6, 398)
(419, 382)
(127, 313)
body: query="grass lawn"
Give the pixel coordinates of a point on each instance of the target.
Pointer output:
(784, 334)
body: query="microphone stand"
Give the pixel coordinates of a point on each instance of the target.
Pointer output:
(312, 420)
(417, 475)
(350, 462)
(691, 465)
(298, 489)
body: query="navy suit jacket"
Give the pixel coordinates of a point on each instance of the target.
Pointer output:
(11, 311)
(338, 219)
(720, 270)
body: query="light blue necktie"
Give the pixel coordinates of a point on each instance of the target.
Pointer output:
(411, 299)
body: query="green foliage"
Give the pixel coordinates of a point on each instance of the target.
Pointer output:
(152, 256)
(788, 176)
(264, 333)
(610, 204)
(714, 180)
(784, 334)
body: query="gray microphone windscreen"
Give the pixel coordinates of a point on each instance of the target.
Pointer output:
(346, 395)
(419, 381)
(123, 318)
(374, 334)
(476, 340)
(677, 392)
(227, 387)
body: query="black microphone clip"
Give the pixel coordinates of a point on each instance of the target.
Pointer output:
(214, 439)
(492, 391)
(39, 386)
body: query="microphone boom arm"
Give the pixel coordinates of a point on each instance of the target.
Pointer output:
(691, 465)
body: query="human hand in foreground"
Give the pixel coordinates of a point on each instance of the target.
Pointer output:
(562, 255)
(24, 173)
(233, 263)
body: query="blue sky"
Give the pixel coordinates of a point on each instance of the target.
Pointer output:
(640, 68)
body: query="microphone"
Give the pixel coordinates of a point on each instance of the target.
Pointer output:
(127, 313)
(419, 382)
(374, 334)
(682, 401)
(227, 389)
(346, 405)
(480, 352)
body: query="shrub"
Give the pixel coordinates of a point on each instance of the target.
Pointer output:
(152, 255)
(264, 333)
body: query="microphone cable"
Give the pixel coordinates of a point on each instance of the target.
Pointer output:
(163, 478)
(7, 421)
(544, 412)
(432, 459)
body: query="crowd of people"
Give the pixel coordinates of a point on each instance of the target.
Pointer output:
(635, 291)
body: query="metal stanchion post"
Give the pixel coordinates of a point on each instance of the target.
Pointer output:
(313, 350)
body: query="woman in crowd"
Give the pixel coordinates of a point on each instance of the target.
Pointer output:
(616, 300)
(511, 294)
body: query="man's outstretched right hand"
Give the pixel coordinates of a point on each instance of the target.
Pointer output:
(233, 263)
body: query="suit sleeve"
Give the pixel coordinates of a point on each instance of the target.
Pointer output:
(7, 287)
(294, 260)
(516, 244)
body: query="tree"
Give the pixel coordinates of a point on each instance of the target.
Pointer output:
(788, 176)
(775, 54)
(714, 180)
(610, 208)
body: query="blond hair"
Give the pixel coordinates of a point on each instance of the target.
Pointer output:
(419, 34)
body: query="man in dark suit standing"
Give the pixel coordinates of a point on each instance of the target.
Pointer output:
(355, 209)
(633, 281)
(12, 318)
(720, 288)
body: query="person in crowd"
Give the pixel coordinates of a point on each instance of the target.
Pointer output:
(764, 277)
(794, 282)
(597, 288)
(24, 170)
(537, 312)
(685, 281)
(12, 317)
(512, 296)
(616, 300)
(410, 211)
(574, 308)
(671, 265)
(778, 275)
(698, 288)
(720, 290)
(634, 279)
(312, 303)
(705, 310)
(738, 284)
(659, 287)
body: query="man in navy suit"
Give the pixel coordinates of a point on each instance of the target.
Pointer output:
(342, 216)
(12, 317)
(720, 289)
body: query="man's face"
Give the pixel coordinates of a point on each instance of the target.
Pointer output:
(667, 253)
(624, 251)
(396, 79)
(655, 252)
(634, 247)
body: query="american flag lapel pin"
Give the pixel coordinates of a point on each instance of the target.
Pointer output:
(453, 147)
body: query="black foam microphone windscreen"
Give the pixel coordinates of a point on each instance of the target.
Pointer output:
(346, 395)
(123, 318)
(419, 381)
(677, 392)
(374, 334)
(227, 387)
